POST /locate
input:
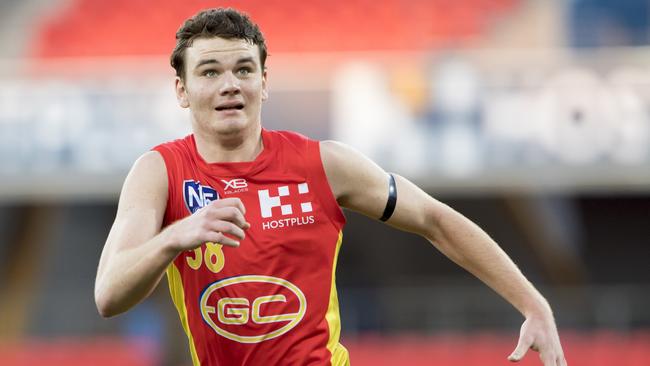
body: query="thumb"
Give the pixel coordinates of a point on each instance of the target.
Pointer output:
(520, 351)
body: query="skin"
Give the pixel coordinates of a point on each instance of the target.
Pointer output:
(221, 72)
(137, 252)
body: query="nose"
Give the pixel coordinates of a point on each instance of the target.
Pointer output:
(230, 84)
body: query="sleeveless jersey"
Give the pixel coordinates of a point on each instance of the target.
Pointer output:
(272, 300)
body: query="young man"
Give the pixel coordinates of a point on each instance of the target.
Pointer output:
(247, 226)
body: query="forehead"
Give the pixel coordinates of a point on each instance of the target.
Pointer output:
(220, 49)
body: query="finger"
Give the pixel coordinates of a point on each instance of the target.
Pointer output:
(237, 205)
(226, 227)
(548, 358)
(231, 214)
(520, 350)
(235, 216)
(220, 238)
(561, 357)
(231, 201)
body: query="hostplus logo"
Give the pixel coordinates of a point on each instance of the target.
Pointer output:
(285, 207)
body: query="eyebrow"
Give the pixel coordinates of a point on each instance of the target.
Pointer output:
(242, 60)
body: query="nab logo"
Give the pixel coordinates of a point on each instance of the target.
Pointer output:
(197, 196)
(268, 202)
(249, 317)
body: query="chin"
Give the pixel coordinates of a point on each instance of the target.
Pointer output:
(228, 127)
(224, 125)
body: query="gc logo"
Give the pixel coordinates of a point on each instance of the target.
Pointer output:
(238, 311)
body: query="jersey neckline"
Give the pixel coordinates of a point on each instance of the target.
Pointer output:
(244, 168)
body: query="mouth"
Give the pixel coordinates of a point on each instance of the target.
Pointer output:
(230, 106)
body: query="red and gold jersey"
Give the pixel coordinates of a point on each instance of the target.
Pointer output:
(272, 300)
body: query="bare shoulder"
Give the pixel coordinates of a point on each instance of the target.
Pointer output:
(146, 183)
(333, 156)
(142, 203)
(343, 161)
(356, 181)
(150, 163)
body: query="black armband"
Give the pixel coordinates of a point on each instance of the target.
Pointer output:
(392, 199)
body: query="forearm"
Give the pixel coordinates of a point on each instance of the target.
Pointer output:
(469, 246)
(128, 276)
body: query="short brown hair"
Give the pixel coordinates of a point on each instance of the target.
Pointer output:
(226, 23)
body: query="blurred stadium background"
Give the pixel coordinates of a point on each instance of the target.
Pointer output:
(531, 117)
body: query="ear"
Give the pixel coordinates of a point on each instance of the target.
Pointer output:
(181, 93)
(265, 87)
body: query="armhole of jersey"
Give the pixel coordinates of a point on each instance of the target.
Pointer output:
(320, 177)
(168, 160)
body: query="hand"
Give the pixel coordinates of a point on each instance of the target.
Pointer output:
(215, 223)
(540, 334)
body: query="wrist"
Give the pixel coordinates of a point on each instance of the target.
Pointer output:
(169, 242)
(538, 308)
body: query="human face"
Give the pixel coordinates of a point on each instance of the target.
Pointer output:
(224, 85)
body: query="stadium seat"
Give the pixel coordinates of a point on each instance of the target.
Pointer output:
(94, 28)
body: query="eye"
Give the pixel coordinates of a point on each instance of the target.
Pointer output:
(244, 71)
(210, 73)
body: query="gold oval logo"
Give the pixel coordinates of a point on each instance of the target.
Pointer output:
(233, 311)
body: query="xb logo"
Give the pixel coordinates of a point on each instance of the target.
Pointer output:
(251, 318)
(236, 183)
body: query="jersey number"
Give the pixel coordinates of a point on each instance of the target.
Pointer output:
(214, 258)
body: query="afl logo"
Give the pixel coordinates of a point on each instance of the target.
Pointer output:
(234, 309)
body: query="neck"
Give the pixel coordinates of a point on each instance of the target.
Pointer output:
(238, 146)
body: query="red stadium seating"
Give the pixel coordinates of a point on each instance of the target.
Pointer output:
(146, 27)
(581, 349)
(77, 352)
(600, 348)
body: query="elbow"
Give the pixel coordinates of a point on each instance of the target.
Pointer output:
(435, 217)
(105, 313)
(105, 306)
(445, 230)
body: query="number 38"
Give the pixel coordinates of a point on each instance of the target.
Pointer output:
(213, 257)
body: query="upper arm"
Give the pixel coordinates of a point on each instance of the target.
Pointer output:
(141, 207)
(361, 185)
